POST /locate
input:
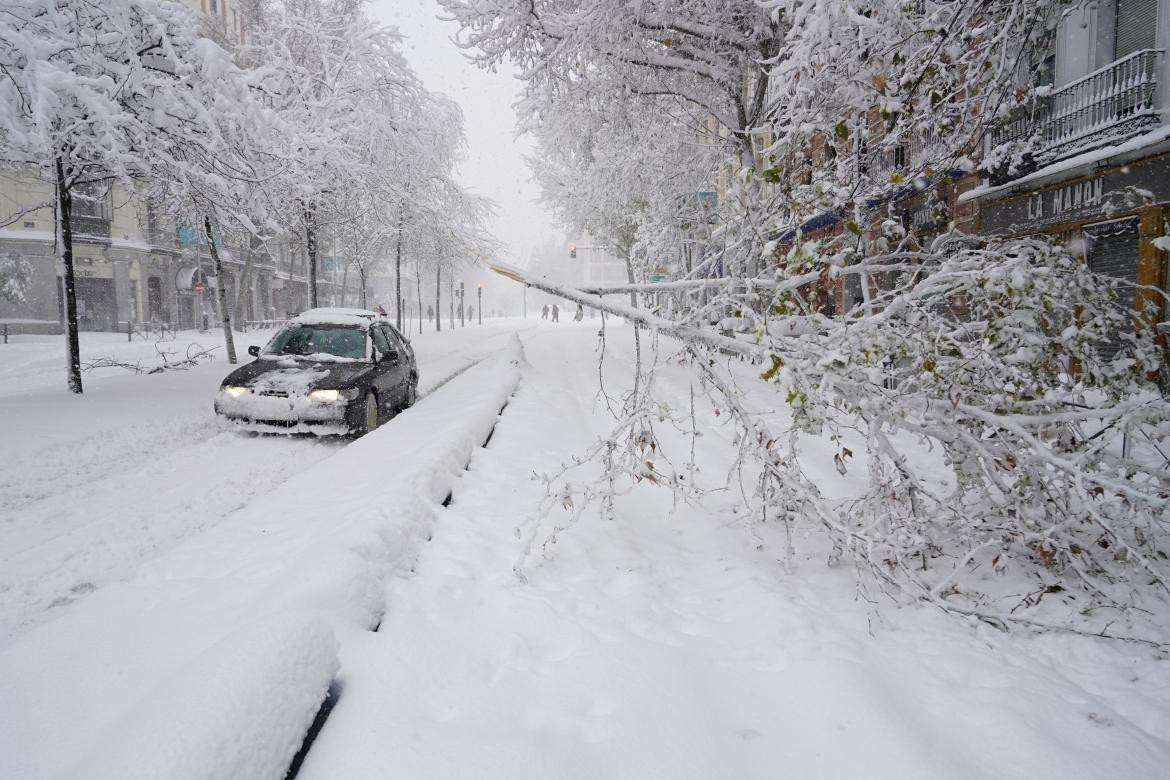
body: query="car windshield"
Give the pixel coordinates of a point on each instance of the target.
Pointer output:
(341, 341)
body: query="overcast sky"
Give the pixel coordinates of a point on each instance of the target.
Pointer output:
(494, 166)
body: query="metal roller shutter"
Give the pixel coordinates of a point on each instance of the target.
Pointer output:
(1137, 26)
(1112, 250)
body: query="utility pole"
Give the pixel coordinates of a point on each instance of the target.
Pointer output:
(462, 305)
(479, 302)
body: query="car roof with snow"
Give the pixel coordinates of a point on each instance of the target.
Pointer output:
(336, 316)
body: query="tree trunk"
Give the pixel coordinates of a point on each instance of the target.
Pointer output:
(626, 255)
(344, 282)
(438, 296)
(418, 291)
(311, 250)
(220, 292)
(398, 276)
(245, 281)
(72, 344)
(362, 279)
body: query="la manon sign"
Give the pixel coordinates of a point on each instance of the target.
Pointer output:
(1117, 190)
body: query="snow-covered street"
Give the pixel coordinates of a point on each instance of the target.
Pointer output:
(178, 599)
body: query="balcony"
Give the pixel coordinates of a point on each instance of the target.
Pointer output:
(89, 228)
(1105, 107)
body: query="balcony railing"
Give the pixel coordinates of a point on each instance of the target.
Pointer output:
(909, 156)
(1122, 97)
(86, 227)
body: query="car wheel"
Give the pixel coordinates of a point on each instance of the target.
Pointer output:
(369, 414)
(411, 394)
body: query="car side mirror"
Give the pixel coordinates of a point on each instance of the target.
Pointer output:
(390, 357)
(254, 351)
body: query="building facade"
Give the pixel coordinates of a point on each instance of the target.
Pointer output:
(1090, 162)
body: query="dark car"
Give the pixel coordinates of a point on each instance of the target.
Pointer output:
(329, 371)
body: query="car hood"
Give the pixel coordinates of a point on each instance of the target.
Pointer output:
(296, 376)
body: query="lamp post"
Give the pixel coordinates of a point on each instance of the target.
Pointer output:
(462, 297)
(479, 302)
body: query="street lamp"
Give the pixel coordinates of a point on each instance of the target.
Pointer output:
(462, 296)
(479, 302)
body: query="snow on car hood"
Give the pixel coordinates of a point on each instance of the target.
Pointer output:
(294, 381)
(295, 377)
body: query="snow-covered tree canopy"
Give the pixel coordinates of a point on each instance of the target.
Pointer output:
(121, 89)
(371, 153)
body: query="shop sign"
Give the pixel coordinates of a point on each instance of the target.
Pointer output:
(1117, 190)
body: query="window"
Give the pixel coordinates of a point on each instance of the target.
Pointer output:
(319, 342)
(381, 343)
(900, 155)
(92, 199)
(1136, 28)
(396, 339)
(214, 7)
(154, 299)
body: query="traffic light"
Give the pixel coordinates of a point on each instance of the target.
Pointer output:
(573, 250)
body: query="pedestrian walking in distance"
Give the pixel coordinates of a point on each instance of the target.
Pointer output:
(580, 315)
(556, 313)
(544, 312)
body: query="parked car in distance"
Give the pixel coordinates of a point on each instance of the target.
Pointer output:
(328, 371)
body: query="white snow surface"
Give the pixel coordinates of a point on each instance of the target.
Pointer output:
(211, 585)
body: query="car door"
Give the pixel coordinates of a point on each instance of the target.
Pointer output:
(409, 362)
(397, 371)
(385, 371)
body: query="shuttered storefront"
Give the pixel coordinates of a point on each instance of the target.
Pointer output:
(1112, 249)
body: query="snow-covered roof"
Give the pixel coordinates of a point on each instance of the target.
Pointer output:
(337, 316)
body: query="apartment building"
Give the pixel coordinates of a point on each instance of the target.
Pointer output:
(1090, 162)
(596, 263)
(224, 20)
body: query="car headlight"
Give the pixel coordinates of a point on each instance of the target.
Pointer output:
(331, 396)
(233, 391)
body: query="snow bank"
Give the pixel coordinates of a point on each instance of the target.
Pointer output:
(172, 660)
(264, 684)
